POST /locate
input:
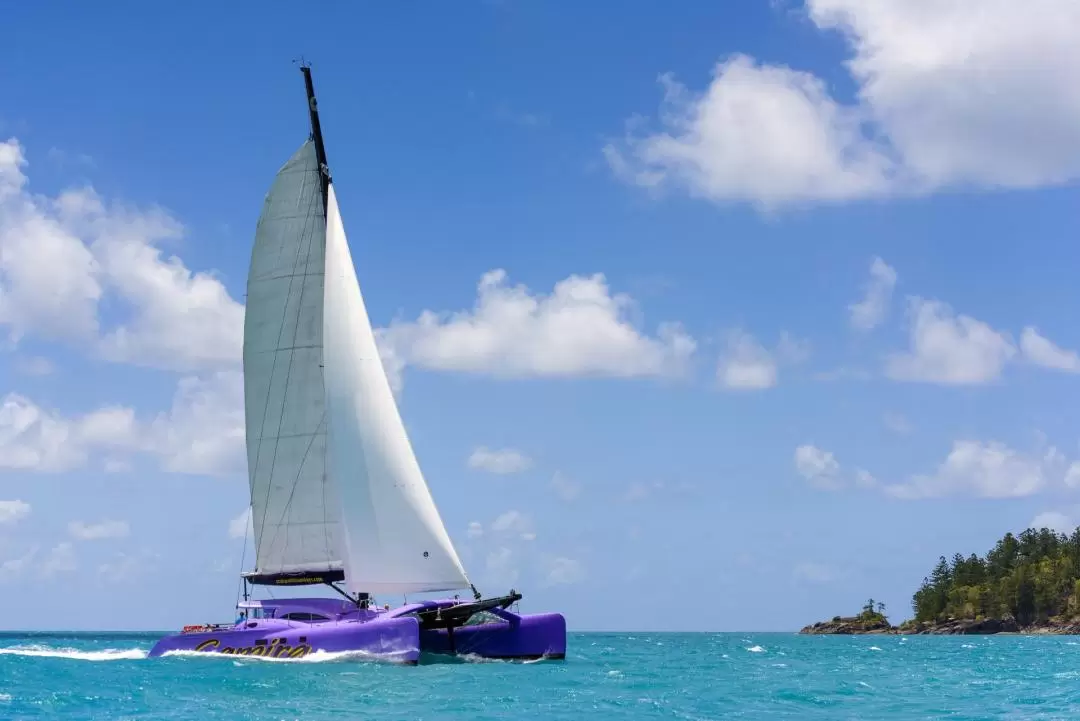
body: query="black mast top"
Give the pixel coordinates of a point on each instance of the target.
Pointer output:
(316, 133)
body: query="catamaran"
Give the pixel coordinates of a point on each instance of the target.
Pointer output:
(338, 498)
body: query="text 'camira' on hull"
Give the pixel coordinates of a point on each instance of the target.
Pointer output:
(337, 495)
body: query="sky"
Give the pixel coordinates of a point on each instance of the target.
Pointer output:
(754, 306)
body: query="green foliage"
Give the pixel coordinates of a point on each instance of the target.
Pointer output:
(873, 613)
(1032, 576)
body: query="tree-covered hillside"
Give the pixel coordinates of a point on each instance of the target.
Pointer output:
(1032, 577)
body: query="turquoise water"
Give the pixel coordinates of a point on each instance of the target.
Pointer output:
(606, 676)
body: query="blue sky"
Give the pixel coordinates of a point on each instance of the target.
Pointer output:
(760, 304)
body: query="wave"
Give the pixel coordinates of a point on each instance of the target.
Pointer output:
(108, 654)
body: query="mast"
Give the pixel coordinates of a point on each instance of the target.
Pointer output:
(316, 133)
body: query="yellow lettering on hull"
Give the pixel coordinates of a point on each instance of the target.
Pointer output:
(276, 649)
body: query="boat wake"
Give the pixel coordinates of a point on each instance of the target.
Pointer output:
(135, 654)
(108, 654)
(313, 657)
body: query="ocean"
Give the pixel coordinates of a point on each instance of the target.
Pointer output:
(605, 676)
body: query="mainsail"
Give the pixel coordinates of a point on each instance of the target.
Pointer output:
(335, 485)
(294, 509)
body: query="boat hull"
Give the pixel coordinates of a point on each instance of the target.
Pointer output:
(395, 640)
(483, 629)
(517, 637)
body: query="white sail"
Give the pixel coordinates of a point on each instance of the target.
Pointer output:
(394, 539)
(295, 512)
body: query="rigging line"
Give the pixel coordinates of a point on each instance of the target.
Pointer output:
(243, 555)
(308, 233)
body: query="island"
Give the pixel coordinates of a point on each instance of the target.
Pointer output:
(1027, 583)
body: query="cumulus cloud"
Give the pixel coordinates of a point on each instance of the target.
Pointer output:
(871, 310)
(1054, 520)
(61, 258)
(203, 432)
(760, 133)
(13, 511)
(950, 349)
(745, 364)
(1042, 352)
(33, 438)
(514, 523)
(501, 462)
(580, 329)
(818, 466)
(978, 469)
(60, 559)
(985, 470)
(950, 93)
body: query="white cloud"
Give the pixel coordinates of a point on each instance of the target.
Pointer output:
(871, 310)
(563, 571)
(950, 349)
(969, 91)
(1042, 352)
(949, 93)
(746, 364)
(581, 329)
(1054, 520)
(476, 529)
(61, 559)
(514, 523)
(985, 470)
(565, 488)
(14, 567)
(241, 526)
(13, 511)
(817, 466)
(61, 257)
(1072, 475)
(758, 133)
(106, 529)
(33, 438)
(202, 433)
(501, 462)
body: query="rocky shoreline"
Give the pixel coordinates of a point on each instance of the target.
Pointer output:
(855, 625)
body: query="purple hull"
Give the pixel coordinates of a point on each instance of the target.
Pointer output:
(298, 628)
